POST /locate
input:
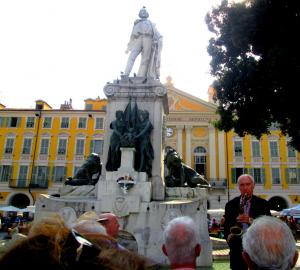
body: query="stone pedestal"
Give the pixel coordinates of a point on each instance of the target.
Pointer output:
(149, 95)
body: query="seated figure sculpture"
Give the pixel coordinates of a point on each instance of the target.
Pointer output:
(84, 176)
(181, 175)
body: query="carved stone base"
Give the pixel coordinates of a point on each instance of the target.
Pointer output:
(71, 191)
(145, 221)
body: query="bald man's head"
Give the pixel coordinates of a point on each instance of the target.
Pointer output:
(111, 224)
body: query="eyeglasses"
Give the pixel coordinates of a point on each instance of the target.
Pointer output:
(84, 249)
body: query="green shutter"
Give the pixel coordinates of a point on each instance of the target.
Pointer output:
(52, 173)
(10, 173)
(233, 175)
(19, 119)
(92, 146)
(34, 171)
(287, 176)
(263, 175)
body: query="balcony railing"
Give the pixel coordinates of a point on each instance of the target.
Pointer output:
(38, 184)
(13, 183)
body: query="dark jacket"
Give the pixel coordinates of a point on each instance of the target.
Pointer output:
(258, 208)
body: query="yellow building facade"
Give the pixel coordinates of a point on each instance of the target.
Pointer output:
(41, 147)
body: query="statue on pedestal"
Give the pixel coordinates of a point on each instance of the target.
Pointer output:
(114, 153)
(84, 176)
(147, 41)
(181, 175)
(144, 147)
(132, 128)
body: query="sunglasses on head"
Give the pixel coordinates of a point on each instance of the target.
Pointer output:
(80, 248)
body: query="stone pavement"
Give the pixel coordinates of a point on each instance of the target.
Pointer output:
(221, 251)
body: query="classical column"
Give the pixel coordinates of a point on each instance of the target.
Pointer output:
(222, 155)
(188, 145)
(179, 140)
(212, 152)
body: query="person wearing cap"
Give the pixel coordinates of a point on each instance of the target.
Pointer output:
(147, 41)
(110, 222)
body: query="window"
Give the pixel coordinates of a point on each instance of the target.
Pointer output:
(236, 172)
(44, 146)
(62, 146)
(30, 122)
(26, 146)
(2, 121)
(14, 121)
(96, 147)
(47, 122)
(276, 176)
(238, 149)
(88, 106)
(99, 123)
(22, 176)
(40, 176)
(64, 122)
(9, 146)
(291, 176)
(255, 149)
(59, 174)
(291, 151)
(82, 122)
(200, 160)
(5, 173)
(80, 146)
(273, 148)
(258, 175)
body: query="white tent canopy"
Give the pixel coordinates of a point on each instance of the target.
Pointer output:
(216, 211)
(291, 211)
(10, 208)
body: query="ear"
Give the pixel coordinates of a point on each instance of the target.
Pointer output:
(251, 265)
(163, 247)
(295, 258)
(197, 250)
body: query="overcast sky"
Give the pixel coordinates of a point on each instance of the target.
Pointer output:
(60, 49)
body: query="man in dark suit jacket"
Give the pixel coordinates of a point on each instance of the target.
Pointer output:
(241, 211)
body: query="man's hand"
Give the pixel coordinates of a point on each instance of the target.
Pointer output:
(244, 219)
(230, 237)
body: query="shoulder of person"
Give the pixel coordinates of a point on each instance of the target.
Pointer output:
(234, 201)
(258, 199)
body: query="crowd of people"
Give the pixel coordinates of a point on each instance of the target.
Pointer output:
(13, 223)
(255, 238)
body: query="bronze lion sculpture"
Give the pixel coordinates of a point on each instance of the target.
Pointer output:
(181, 175)
(84, 176)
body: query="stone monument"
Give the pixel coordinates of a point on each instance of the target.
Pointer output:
(132, 183)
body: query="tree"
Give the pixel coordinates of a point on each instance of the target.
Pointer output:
(256, 65)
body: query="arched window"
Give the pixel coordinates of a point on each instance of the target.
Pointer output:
(200, 160)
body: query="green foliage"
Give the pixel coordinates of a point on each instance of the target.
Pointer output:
(256, 63)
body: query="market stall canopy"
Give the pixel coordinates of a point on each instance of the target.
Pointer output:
(216, 211)
(291, 211)
(10, 208)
